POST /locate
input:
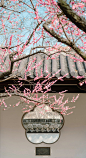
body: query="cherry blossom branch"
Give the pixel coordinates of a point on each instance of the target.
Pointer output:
(29, 56)
(63, 40)
(32, 5)
(13, 76)
(79, 37)
(52, 101)
(12, 61)
(80, 22)
(25, 4)
(19, 94)
(11, 9)
(3, 6)
(44, 48)
(12, 46)
(64, 30)
(28, 41)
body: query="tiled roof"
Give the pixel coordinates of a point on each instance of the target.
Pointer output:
(52, 65)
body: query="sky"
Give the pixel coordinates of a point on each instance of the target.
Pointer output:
(42, 137)
(24, 24)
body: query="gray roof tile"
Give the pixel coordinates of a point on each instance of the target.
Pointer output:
(55, 66)
(63, 62)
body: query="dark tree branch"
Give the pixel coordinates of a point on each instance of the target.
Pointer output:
(64, 31)
(63, 40)
(7, 73)
(80, 22)
(29, 56)
(12, 9)
(19, 94)
(2, 5)
(53, 33)
(32, 5)
(14, 76)
(2, 2)
(12, 46)
(28, 41)
(25, 4)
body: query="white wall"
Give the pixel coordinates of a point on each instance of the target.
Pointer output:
(72, 143)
